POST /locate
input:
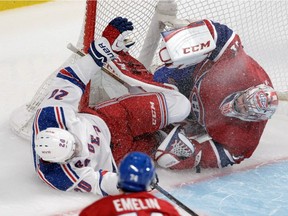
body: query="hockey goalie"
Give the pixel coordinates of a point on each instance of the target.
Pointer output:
(231, 95)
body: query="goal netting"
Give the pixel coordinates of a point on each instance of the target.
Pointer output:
(261, 24)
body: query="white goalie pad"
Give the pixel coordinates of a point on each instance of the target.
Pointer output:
(188, 45)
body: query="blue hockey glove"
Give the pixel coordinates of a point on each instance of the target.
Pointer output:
(116, 32)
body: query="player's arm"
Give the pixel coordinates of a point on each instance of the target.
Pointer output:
(224, 37)
(71, 81)
(100, 182)
(72, 177)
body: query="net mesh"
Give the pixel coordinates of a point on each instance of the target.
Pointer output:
(261, 24)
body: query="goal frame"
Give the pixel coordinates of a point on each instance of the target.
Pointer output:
(22, 118)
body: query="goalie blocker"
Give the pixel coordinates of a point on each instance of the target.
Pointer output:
(186, 46)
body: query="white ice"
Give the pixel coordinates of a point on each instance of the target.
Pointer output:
(33, 45)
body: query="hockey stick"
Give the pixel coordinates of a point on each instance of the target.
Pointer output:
(176, 201)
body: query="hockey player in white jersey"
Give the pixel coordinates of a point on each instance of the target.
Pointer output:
(76, 149)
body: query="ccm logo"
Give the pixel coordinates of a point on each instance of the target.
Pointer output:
(153, 112)
(196, 48)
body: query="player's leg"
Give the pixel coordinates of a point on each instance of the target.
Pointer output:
(131, 116)
(149, 112)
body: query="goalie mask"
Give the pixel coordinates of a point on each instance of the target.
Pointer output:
(186, 46)
(55, 145)
(254, 104)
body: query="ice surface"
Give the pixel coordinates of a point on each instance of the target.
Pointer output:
(32, 45)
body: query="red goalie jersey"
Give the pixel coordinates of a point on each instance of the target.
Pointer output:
(233, 139)
(212, 84)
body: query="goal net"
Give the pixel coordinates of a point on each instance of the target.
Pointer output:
(261, 24)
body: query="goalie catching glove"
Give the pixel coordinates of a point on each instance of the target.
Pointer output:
(113, 40)
(177, 151)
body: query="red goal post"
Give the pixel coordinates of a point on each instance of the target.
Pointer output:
(261, 24)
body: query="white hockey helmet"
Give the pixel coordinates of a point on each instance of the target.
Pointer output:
(186, 46)
(55, 145)
(259, 102)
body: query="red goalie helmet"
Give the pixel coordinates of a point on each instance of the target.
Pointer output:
(254, 104)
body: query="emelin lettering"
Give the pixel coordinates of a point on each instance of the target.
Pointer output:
(135, 204)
